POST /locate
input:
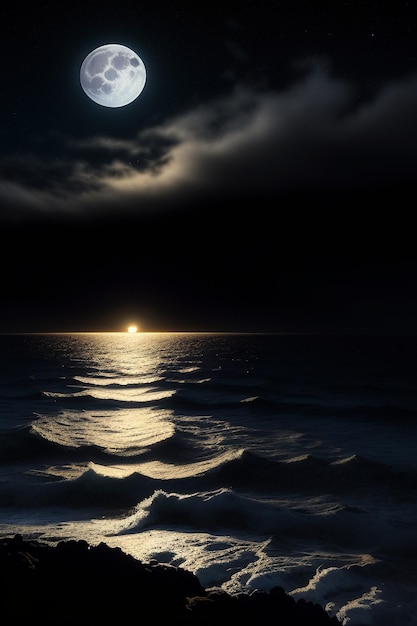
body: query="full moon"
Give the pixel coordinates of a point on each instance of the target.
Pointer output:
(112, 75)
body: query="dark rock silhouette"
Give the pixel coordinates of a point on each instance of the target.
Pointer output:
(76, 583)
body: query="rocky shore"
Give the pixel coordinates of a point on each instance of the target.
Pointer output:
(77, 583)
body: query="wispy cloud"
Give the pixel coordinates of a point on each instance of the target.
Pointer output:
(314, 133)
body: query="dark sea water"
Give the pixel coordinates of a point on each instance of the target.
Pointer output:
(250, 460)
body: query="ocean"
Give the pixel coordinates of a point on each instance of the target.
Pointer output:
(251, 460)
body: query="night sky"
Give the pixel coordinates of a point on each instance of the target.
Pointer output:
(263, 181)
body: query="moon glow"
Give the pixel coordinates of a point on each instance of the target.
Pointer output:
(112, 75)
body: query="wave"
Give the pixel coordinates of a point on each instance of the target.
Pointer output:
(24, 443)
(129, 436)
(115, 380)
(134, 396)
(224, 510)
(275, 405)
(68, 436)
(89, 490)
(310, 474)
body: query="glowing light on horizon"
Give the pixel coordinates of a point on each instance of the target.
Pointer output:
(132, 329)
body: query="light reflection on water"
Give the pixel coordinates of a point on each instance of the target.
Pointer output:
(120, 371)
(252, 461)
(125, 432)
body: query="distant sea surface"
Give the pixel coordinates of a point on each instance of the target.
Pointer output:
(249, 460)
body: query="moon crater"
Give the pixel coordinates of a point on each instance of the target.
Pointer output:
(113, 75)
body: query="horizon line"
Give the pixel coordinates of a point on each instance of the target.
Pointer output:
(339, 333)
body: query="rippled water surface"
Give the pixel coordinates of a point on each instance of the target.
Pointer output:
(251, 460)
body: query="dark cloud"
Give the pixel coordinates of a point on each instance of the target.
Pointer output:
(313, 134)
